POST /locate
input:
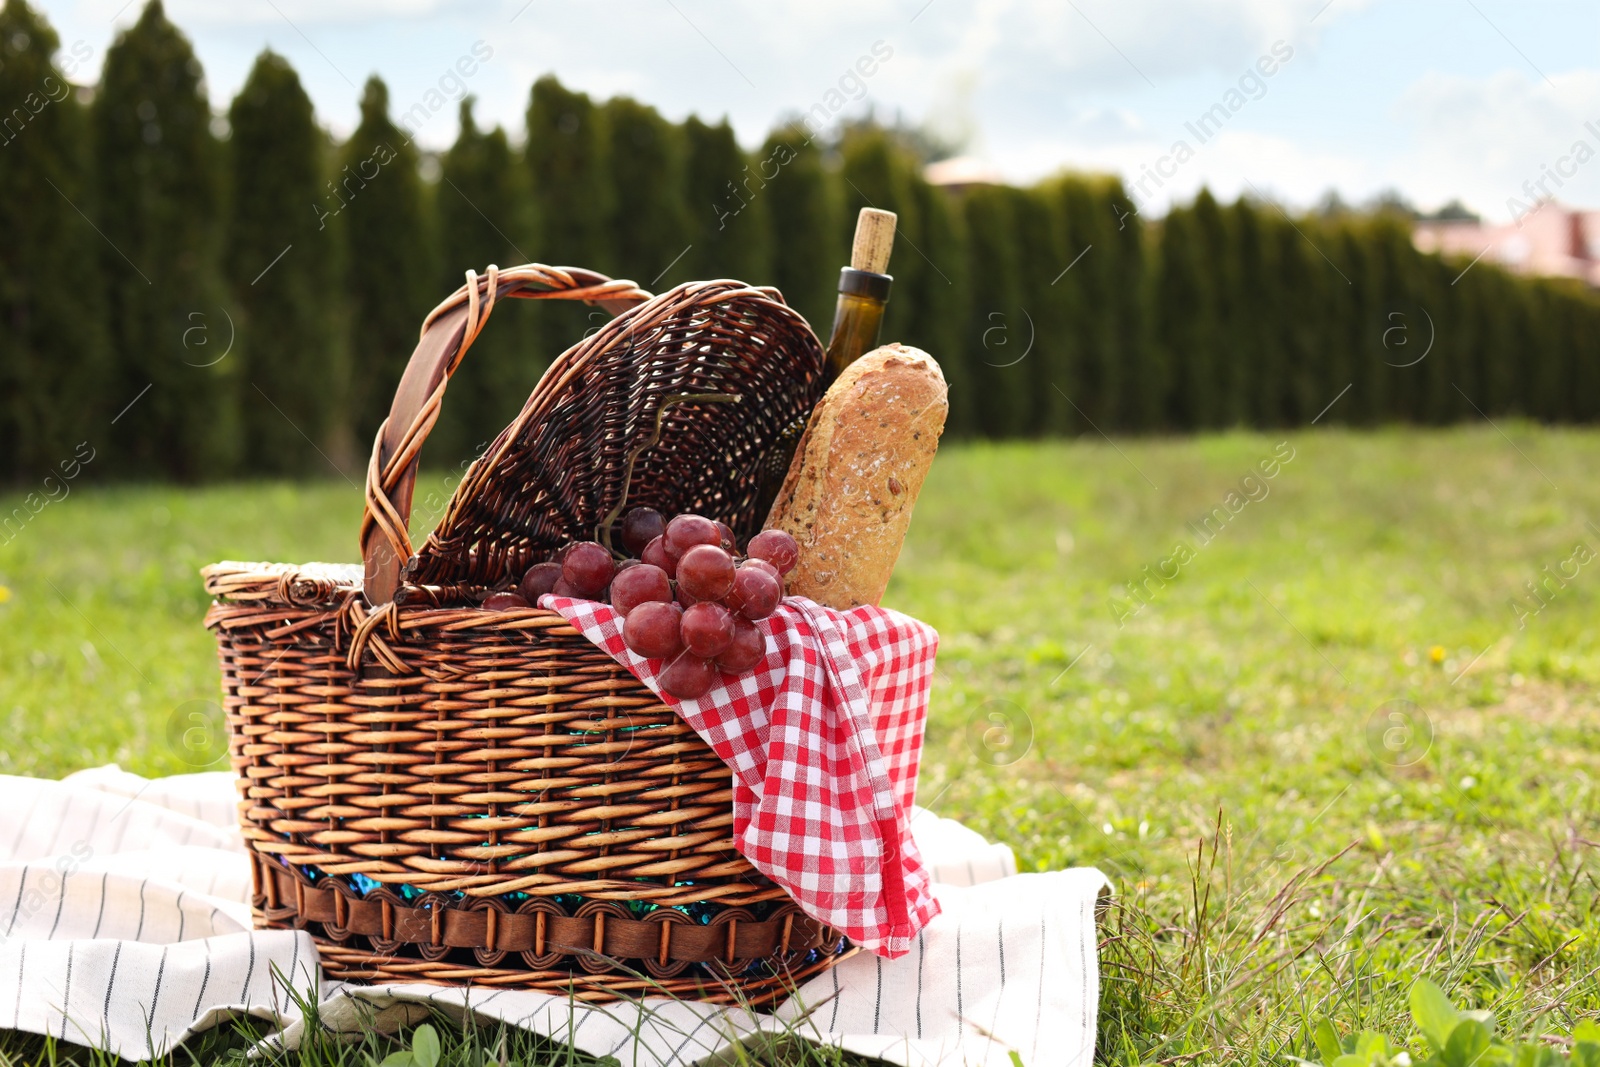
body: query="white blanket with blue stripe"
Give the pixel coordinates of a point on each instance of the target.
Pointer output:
(125, 924)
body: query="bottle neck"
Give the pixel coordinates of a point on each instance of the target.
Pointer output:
(857, 319)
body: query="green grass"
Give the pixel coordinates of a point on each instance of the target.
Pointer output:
(1324, 760)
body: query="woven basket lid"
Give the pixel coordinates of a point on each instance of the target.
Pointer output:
(688, 402)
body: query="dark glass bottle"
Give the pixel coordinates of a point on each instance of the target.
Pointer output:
(863, 291)
(858, 317)
(863, 294)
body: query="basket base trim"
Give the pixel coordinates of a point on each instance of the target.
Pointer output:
(341, 963)
(603, 934)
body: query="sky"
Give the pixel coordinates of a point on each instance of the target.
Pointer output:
(1477, 100)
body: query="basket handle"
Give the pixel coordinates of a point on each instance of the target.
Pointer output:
(447, 333)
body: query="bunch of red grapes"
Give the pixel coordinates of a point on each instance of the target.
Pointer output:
(686, 594)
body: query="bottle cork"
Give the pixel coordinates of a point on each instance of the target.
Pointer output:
(874, 241)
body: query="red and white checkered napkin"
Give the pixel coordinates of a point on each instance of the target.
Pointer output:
(824, 739)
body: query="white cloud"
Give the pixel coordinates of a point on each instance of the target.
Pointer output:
(1036, 84)
(1483, 138)
(1229, 164)
(1277, 167)
(298, 12)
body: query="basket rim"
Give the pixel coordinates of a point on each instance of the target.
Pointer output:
(238, 582)
(310, 569)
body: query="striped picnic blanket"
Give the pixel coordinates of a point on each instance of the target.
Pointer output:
(125, 924)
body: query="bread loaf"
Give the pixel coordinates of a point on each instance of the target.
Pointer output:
(855, 477)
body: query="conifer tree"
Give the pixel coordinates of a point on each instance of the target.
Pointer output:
(1490, 298)
(1002, 401)
(1401, 292)
(1488, 302)
(1103, 290)
(1462, 338)
(1218, 374)
(938, 298)
(1445, 378)
(1134, 376)
(1300, 270)
(1394, 317)
(1566, 374)
(650, 224)
(256, 309)
(1337, 307)
(1526, 337)
(1186, 318)
(1549, 372)
(1251, 345)
(1083, 287)
(1041, 329)
(377, 198)
(277, 264)
(54, 369)
(1514, 335)
(566, 160)
(727, 201)
(1583, 389)
(1364, 332)
(878, 172)
(484, 212)
(805, 216)
(159, 171)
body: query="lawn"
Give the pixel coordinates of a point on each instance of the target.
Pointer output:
(1335, 743)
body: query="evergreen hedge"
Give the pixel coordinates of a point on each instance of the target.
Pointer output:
(278, 266)
(158, 180)
(54, 358)
(378, 208)
(485, 216)
(568, 166)
(253, 289)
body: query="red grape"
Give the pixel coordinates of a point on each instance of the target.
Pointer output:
(688, 676)
(707, 629)
(651, 630)
(566, 588)
(686, 599)
(749, 648)
(639, 584)
(706, 572)
(504, 602)
(730, 543)
(763, 565)
(686, 531)
(755, 592)
(588, 567)
(776, 547)
(640, 526)
(656, 554)
(540, 579)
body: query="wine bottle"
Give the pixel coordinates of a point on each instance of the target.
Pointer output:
(863, 291)
(863, 294)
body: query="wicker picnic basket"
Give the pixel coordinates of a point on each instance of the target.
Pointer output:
(443, 793)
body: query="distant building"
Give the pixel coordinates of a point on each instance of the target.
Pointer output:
(960, 172)
(1553, 240)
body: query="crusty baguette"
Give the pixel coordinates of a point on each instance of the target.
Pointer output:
(855, 477)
